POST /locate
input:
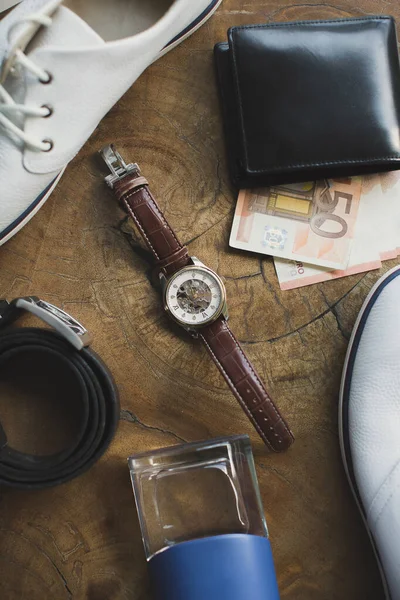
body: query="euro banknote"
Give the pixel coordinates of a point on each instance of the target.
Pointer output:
(376, 237)
(309, 222)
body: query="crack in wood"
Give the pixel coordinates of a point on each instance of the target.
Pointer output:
(29, 572)
(65, 582)
(317, 318)
(130, 417)
(243, 276)
(196, 237)
(48, 557)
(335, 313)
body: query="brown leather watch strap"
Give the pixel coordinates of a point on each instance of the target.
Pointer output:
(246, 385)
(134, 194)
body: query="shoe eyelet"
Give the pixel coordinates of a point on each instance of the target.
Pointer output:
(50, 143)
(48, 80)
(50, 109)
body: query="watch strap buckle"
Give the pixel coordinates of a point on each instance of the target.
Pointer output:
(116, 164)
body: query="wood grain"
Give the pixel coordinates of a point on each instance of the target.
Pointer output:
(82, 540)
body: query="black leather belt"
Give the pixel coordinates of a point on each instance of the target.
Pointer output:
(99, 395)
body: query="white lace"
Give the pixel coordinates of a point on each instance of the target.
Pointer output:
(8, 106)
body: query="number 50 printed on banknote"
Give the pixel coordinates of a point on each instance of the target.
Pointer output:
(311, 222)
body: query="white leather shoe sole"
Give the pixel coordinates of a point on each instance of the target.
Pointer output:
(344, 428)
(199, 22)
(13, 228)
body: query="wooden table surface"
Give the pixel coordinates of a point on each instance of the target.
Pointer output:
(82, 540)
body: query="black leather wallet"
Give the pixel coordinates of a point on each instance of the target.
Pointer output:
(310, 99)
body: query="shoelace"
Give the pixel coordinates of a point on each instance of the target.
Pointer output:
(8, 106)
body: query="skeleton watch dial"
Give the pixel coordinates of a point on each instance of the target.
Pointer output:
(195, 296)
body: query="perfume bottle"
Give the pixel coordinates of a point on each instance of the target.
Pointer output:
(202, 521)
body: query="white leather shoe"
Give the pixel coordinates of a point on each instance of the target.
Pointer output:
(369, 423)
(63, 66)
(6, 4)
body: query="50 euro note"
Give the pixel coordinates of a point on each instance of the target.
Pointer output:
(390, 226)
(310, 222)
(294, 274)
(375, 239)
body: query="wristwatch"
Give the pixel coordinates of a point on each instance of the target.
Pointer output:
(194, 297)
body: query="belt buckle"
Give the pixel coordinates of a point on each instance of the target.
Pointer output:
(68, 327)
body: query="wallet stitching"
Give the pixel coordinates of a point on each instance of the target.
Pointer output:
(393, 158)
(316, 22)
(299, 165)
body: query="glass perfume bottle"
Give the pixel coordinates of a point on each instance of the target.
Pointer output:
(202, 521)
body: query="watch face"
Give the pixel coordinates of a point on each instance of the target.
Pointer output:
(195, 296)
